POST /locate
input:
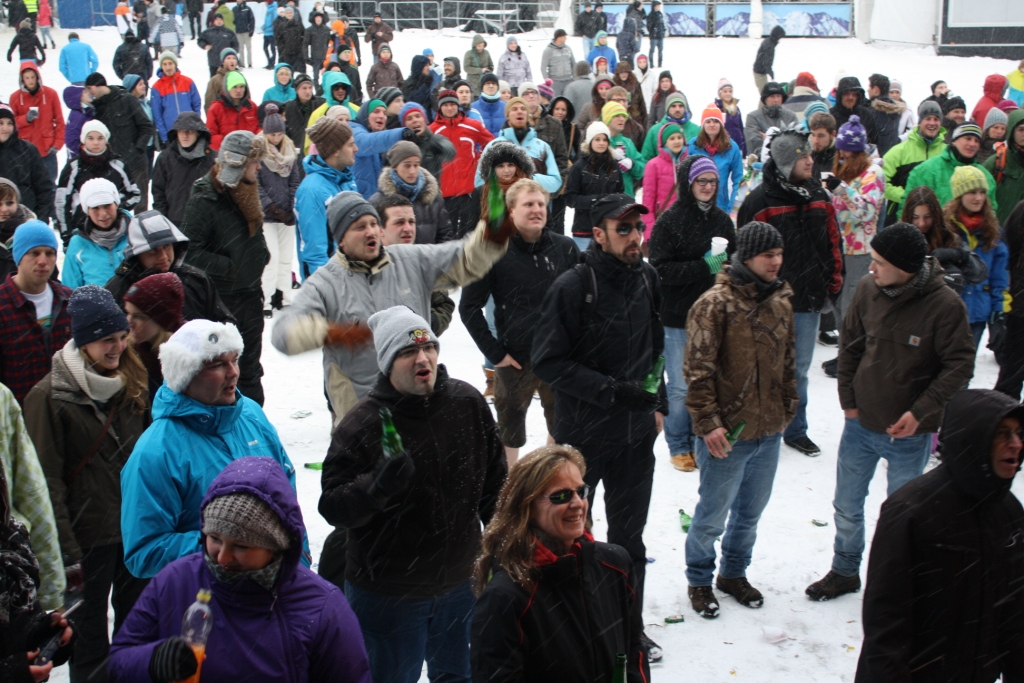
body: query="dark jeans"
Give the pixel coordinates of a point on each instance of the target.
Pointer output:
(140, 176)
(270, 50)
(628, 474)
(104, 568)
(657, 44)
(556, 217)
(315, 66)
(401, 632)
(195, 23)
(458, 209)
(1011, 373)
(247, 307)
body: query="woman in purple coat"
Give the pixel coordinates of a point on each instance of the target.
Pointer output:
(273, 618)
(730, 106)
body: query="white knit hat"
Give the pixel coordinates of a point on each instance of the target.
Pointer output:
(197, 341)
(98, 192)
(595, 129)
(94, 126)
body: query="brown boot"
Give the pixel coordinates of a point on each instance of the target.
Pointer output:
(704, 601)
(740, 588)
(832, 585)
(489, 389)
(684, 462)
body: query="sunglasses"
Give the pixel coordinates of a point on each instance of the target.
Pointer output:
(564, 497)
(624, 229)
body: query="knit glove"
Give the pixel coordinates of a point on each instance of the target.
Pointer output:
(631, 395)
(352, 335)
(393, 475)
(32, 115)
(619, 153)
(715, 261)
(172, 660)
(625, 164)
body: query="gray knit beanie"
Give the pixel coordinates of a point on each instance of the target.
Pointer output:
(786, 148)
(994, 117)
(397, 328)
(929, 108)
(246, 519)
(343, 210)
(756, 238)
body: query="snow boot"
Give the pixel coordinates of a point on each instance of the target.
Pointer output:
(704, 601)
(489, 389)
(740, 588)
(804, 445)
(654, 653)
(831, 368)
(684, 462)
(832, 586)
(828, 338)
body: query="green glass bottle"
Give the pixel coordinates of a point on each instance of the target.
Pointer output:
(685, 521)
(653, 380)
(314, 465)
(619, 674)
(733, 435)
(391, 441)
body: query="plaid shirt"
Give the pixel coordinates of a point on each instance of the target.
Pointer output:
(26, 349)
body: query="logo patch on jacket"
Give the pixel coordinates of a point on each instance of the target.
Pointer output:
(914, 340)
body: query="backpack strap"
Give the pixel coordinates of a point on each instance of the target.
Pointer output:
(1000, 163)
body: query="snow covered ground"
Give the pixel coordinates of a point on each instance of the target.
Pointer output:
(822, 641)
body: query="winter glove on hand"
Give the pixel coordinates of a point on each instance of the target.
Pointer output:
(619, 153)
(625, 164)
(715, 262)
(632, 395)
(31, 115)
(351, 335)
(950, 256)
(172, 660)
(832, 183)
(393, 475)
(997, 318)
(409, 134)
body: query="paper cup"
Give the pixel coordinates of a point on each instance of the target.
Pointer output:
(718, 245)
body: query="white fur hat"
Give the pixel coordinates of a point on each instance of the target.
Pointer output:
(197, 341)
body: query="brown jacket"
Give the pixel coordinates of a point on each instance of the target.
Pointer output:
(64, 423)
(214, 88)
(740, 362)
(909, 353)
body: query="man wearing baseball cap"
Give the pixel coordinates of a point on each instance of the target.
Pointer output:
(938, 171)
(596, 359)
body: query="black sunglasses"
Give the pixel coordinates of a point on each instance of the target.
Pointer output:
(564, 496)
(624, 229)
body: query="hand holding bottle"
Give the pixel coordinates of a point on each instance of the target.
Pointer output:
(172, 660)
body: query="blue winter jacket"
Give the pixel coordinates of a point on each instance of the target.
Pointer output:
(77, 61)
(990, 296)
(312, 232)
(372, 146)
(173, 464)
(171, 96)
(537, 149)
(268, 20)
(730, 167)
(606, 52)
(87, 263)
(277, 92)
(493, 114)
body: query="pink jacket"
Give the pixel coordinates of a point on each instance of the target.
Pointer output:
(45, 15)
(660, 184)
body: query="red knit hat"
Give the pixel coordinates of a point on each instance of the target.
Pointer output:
(712, 112)
(807, 80)
(161, 297)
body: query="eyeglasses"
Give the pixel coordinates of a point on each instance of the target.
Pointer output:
(712, 182)
(564, 496)
(1004, 435)
(625, 229)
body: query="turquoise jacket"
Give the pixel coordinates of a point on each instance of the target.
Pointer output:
(730, 168)
(87, 263)
(277, 92)
(174, 462)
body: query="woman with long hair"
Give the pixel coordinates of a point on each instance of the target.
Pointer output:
(84, 418)
(625, 78)
(554, 605)
(154, 305)
(658, 101)
(714, 141)
(595, 175)
(730, 106)
(970, 213)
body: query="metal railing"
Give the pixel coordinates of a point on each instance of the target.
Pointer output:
(415, 14)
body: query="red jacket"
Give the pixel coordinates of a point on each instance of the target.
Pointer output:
(994, 87)
(46, 131)
(26, 347)
(469, 138)
(224, 118)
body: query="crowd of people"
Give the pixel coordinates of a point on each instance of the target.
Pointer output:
(705, 256)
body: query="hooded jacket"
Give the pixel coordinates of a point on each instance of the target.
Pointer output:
(680, 239)
(372, 145)
(899, 161)
(625, 42)
(557, 63)
(514, 67)
(28, 45)
(78, 115)
(989, 296)
(226, 117)
(47, 131)
(690, 129)
(887, 116)
(83, 168)
(416, 88)
(176, 171)
(296, 117)
(1008, 165)
(130, 129)
(433, 225)
(316, 245)
(171, 96)
(584, 186)
(938, 171)
(277, 192)
(602, 51)
(330, 80)
(315, 41)
(89, 263)
(172, 466)
(660, 189)
(23, 166)
(277, 92)
(383, 75)
(766, 52)
(995, 86)
(475, 62)
(734, 123)
(550, 179)
(467, 136)
(912, 352)
(763, 118)
(132, 57)
(64, 423)
(943, 599)
(863, 108)
(305, 629)
(288, 35)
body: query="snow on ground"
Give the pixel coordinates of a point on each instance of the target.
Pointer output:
(822, 641)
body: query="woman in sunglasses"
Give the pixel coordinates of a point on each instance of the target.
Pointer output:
(554, 604)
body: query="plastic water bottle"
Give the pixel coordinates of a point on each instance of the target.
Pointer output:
(195, 629)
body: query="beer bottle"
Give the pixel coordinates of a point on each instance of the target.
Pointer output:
(653, 380)
(733, 435)
(391, 441)
(619, 674)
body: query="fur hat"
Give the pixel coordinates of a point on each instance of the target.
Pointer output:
(94, 126)
(501, 151)
(902, 245)
(196, 342)
(756, 238)
(395, 329)
(237, 149)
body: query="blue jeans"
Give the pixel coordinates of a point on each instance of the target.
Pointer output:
(977, 330)
(588, 45)
(659, 46)
(401, 632)
(489, 317)
(582, 242)
(678, 423)
(806, 338)
(859, 452)
(739, 487)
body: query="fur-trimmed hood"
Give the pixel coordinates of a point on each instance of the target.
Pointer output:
(887, 106)
(501, 151)
(431, 189)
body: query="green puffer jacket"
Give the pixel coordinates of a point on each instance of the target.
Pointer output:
(1011, 190)
(904, 158)
(937, 172)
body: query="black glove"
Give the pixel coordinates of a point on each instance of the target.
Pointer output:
(632, 396)
(946, 256)
(832, 183)
(41, 628)
(31, 116)
(393, 475)
(172, 660)
(410, 135)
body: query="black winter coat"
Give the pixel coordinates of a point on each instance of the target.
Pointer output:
(766, 52)
(277, 193)
(862, 109)
(416, 88)
(656, 24)
(132, 57)
(437, 150)
(814, 263)
(218, 38)
(219, 239)
(581, 613)
(422, 541)
(620, 340)
(587, 24)
(245, 21)
(174, 176)
(314, 43)
(23, 166)
(296, 119)
(130, 129)
(680, 239)
(585, 186)
(944, 599)
(355, 93)
(288, 35)
(885, 115)
(194, 6)
(518, 283)
(28, 46)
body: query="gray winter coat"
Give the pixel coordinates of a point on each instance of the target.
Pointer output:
(758, 123)
(514, 67)
(557, 63)
(344, 291)
(432, 223)
(277, 193)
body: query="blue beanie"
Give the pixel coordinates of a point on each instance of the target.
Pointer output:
(408, 107)
(130, 81)
(29, 235)
(94, 315)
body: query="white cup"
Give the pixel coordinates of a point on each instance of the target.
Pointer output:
(718, 245)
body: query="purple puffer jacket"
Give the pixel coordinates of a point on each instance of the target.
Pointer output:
(76, 119)
(301, 631)
(734, 126)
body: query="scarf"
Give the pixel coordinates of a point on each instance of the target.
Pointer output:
(196, 151)
(246, 197)
(742, 276)
(88, 157)
(704, 206)
(8, 226)
(731, 107)
(99, 388)
(108, 238)
(19, 571)
(490, 98)
(712, 150)
(791, 187)
(281, 161)
(405, 189)
(521, 133)
(973, 222)
(916, 282)
(265, 578)
(960, 157)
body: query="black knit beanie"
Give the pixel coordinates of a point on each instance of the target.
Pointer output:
(902, 245)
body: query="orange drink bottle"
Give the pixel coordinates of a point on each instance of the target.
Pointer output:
(195, 628)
